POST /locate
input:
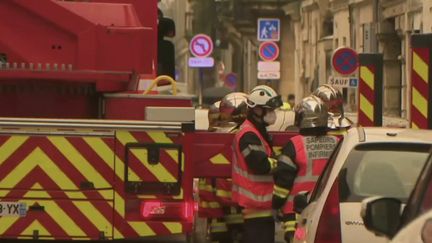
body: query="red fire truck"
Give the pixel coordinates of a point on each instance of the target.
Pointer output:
(87, 153)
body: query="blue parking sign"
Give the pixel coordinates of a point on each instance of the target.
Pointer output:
(268, 29)
(353, 82)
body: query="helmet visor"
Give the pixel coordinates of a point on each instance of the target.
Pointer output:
(274, 102)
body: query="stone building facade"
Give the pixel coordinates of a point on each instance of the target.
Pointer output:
(368, 26)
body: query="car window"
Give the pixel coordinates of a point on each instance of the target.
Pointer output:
(420, 199)
(324, 177)
(381, 169)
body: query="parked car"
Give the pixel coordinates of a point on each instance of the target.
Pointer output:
(367, 162)
(383, 216)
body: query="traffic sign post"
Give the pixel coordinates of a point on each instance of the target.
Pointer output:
(268, 68)
(268, 29)
(345, 61)
(201, 47)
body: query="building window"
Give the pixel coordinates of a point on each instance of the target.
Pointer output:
(327, 29)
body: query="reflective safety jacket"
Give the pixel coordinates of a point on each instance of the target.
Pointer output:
(249, 190)
(312, 154)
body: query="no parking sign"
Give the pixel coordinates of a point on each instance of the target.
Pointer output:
(268, 51)
(345, 61)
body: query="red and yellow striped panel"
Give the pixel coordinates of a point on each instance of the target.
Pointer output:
(366, 96)
(420, 88)
(48, 171)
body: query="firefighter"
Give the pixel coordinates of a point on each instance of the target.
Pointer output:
(253, 164)
(302, 159)
(209, 206)
(224, 218)
(233, 112)
(332, 97)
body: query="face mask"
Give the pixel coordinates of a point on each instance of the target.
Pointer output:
(270, 117)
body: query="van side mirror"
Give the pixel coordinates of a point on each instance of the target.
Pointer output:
(300, 201)
(382, 215)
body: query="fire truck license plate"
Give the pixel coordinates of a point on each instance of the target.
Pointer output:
(14, 209)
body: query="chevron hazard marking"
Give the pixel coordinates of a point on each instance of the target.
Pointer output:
(37, 159)
(159, 171)
(75, 157)
(96, 217)
(35, 225)
(219, 159)
(142, 228)
(10, 146)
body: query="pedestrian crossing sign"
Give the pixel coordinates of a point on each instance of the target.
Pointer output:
(268, 29)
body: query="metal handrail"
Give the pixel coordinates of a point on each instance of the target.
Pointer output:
(88, 124)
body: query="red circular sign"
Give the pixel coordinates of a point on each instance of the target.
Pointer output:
(268, 51)
(345, 60)
(201, 45)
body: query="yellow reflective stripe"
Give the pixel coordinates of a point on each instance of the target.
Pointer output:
(3, 192)
(277, 149)
(207, 188)
(234, 218)
(6, 223)
(205, 204)
(419, 102)
(248, 214)
(338, 132)
(102, 150)
(367, 107)
(219, 159)
(10, 146)
(272, 162)
(158, 170)
(120, 169)
(142, 228)
(280, 192)
(65, 222)
(173, 227)
(217, 227)
(35, 225)
(223, 193)
(119, 204)
(420, 67)
(289, 226)
(34, 159)
(94, 216)
(78, 161)
(37, 193)
(367, 76)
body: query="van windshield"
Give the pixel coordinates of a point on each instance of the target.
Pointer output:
(381, 169)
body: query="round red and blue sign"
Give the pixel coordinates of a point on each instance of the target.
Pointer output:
(345, 60)
(201, 45)
(268, 51)
(231, 80)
